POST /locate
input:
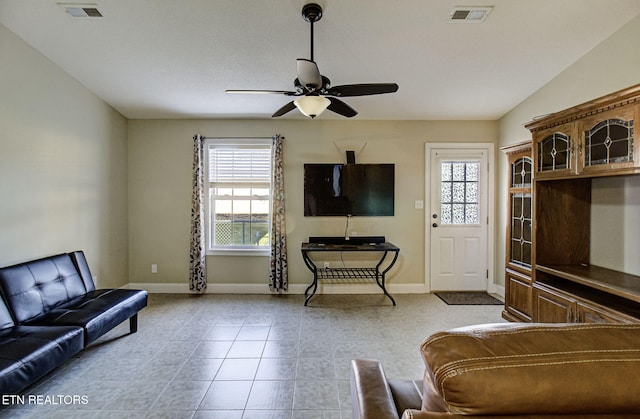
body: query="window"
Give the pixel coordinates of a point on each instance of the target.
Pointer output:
(239, 205)
(459, 192)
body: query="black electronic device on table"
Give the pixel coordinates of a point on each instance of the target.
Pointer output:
(354, 240)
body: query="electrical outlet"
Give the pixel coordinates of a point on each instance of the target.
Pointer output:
(154, 268)
(326, 265)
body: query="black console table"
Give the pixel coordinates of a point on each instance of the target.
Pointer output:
(356, 244)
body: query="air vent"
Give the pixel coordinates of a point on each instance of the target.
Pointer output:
(470, 14)
(81, 10)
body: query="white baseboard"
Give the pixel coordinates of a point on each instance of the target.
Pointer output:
(497, 289)
(323, 288)
(177, 288)
(159, 288)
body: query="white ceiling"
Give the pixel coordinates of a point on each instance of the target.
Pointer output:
(175, 58)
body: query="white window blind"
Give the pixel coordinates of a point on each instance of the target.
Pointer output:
(239, 165)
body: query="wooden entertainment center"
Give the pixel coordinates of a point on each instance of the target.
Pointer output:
(550, 274)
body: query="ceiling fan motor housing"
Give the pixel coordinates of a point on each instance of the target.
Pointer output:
(312, 12)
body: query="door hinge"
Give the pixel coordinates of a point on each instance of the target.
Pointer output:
(487, 273)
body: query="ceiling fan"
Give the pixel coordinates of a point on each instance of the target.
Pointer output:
(315, 90)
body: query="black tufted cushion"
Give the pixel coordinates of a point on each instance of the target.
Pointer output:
(98, 311)
(27, 353)
(33, 288)
(5, 317)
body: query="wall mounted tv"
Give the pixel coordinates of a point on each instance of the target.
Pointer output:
(349, 189)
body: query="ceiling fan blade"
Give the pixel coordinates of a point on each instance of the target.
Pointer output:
(308, 74)
(341, 108)
(263, 92)
(364, 89)
(286, 108)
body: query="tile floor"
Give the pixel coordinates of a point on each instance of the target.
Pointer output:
(251, 356)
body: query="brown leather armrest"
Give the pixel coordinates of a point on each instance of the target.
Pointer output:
(407, 394)
(370, 393)
(422, 414)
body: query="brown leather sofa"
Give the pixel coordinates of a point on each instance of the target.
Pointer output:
(511, 370)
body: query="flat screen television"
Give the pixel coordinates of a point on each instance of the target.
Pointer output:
(349, 189)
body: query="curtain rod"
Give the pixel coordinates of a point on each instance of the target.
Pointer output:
(240, 138)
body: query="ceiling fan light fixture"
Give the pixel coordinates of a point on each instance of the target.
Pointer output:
(312, 106)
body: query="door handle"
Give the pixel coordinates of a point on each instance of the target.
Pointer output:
(434, 225)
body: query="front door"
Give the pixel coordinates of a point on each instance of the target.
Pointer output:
(458, 219)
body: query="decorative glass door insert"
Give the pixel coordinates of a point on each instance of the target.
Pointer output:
(521, 173)
(521, 229)
(459, 192)
(610, 141)
(554, 152)
(520, 234)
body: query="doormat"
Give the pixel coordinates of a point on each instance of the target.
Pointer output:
(460, 298)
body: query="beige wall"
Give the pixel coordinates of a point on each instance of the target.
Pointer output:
(77, 175)
(611, 66)
(160, 156)
(63, 171)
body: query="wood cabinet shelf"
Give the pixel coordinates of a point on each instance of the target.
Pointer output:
(613, 282)
(559, 300)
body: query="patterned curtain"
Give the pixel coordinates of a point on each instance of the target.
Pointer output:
(278, 277)
(197, 253)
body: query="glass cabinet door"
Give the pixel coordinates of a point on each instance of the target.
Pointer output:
(521, 210)
(554, 152)
(609, 141)
(521, 229)
(518, 245)
(521, 173)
